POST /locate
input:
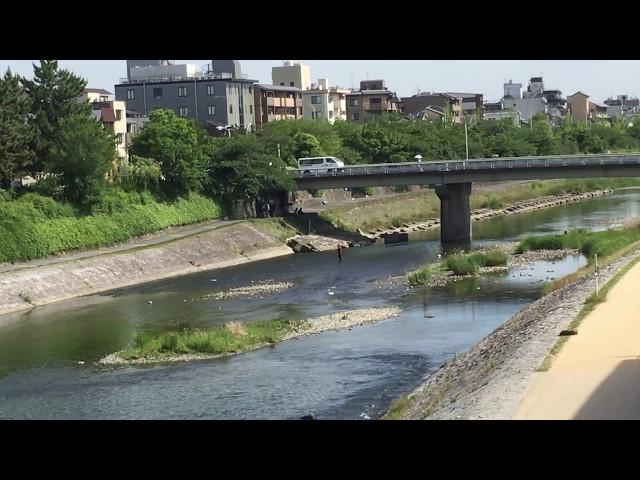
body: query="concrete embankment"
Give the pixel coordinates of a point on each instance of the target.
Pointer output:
(485, 213)
(489, 380)
(236, 244)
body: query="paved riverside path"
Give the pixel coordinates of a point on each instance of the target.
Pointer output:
(597, 373)
(162, 236)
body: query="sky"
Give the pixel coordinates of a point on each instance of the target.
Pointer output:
(598, 78)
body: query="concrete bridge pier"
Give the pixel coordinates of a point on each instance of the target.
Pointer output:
(455, 213)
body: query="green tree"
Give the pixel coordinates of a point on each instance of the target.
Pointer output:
(180, 149)
(242, 169)
(55, 96)
(142, 174)
(16, 134)
(306, 145)
(82, 156)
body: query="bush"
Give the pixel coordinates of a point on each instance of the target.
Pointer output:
(34, 227)
(461, 265)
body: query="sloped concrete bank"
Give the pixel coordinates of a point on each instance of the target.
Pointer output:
(232, 245)
(489, 380)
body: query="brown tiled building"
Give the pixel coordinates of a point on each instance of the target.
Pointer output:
(371, 100)
(276, 102)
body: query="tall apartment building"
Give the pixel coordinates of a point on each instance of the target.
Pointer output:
(112, 114)
(292, 75)
(276, 102)
(370, 101)
(324, 102)
(217, 94)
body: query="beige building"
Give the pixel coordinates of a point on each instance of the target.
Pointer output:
(579, 107)
(276, 102)
(371, 100)
(292, 75)
(112, 113)
(322, 102)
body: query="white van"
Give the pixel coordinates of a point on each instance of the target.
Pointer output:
(312, 165)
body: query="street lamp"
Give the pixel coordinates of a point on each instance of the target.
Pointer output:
(466, 138)
(227, 128)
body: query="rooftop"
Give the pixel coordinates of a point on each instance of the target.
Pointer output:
(282, 88)
(101, 91)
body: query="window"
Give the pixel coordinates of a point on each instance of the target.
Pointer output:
(291, 84)
(182, 91)
(375, 101)
(157, 93)
(130, 94)
(315, 99)
(353, 102)
(211, 110)
(250, 90)
(316, 115)
(184, 111)
(118, 114)
(282, 83)
(330, 114)
(355, 116)
(299, 95)
(300, 111)
(251, 109)
(119, 138)
(230, 108)
(211, 90)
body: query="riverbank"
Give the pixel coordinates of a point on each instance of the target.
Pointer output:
(24, 287)
(488, 380)
(486, 213)
(287, 331)
(223, 247)
(595, 375)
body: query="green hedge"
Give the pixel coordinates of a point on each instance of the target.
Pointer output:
(35, 227)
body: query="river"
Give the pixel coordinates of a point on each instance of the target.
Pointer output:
(48, 355)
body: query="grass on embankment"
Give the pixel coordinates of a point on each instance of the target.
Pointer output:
(275, 227)
(233, 337)
(34, 226)
(419, 206)
(459, 264)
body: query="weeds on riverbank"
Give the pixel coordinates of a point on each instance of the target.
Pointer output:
(422, 276)
(603, 243)
(229, 338)
(467, 264)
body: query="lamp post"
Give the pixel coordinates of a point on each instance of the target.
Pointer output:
(227, 128)
(466, 138)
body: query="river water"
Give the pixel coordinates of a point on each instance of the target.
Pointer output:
(335, 375)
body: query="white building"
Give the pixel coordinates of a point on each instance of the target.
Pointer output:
(113, 115)
(324, 102)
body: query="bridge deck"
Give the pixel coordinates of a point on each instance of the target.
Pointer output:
(476, 170)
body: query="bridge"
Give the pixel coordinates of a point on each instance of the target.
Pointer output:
(452, 180)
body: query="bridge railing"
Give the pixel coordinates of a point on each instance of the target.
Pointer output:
(552, 161)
